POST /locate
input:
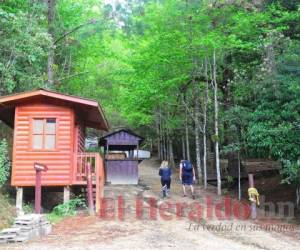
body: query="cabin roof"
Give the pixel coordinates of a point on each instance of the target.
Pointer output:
(253, 166)
(89, 110)
(116, 143)
(128, 131)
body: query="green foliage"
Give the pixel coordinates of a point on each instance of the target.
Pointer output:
(23, 47)
(140, 71)
(67, 209)
(234, 147)
(28, 208)
(4, 162)
(7, 211)
(230, 179)
(291, 172)
(274, 127)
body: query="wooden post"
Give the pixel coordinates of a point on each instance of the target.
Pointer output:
(239, 176)
(38, 192)
(107, 149)
(89, 188)
(151, 146)
(98, 176)
(253, 203)
(39, 168)
(19, 201)
(66, 194)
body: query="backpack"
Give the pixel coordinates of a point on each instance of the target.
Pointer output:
(187, 165)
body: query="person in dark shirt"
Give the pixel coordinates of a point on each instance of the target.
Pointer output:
(165, 178)
(187, 176)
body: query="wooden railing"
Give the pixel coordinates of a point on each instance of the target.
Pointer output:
(97, 169)
(82, 160)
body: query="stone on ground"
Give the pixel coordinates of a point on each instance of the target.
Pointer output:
(26, 227)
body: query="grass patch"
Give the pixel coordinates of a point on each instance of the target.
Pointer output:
(7, 211)
(67, 209)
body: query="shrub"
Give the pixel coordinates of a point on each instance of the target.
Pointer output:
(291, 172)
(4, 162)
(69, 208)
(28, 208)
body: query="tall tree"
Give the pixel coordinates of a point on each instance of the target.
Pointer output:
(216, 122)
(197, 132)
(205, 104)
(51, 28)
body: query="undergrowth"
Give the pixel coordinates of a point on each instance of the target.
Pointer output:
(67, 209)
(7, 211)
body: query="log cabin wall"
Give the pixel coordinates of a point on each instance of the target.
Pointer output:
(59, 160)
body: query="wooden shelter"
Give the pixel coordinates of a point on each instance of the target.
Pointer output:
(49, 128)
(229, 167)
(121, 165)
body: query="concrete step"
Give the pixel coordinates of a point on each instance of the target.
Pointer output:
(25, 228)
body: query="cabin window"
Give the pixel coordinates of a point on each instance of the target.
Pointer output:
(44, 133)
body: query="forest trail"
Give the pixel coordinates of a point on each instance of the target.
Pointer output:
(87, 232)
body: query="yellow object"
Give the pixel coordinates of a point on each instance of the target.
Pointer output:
(253, 195)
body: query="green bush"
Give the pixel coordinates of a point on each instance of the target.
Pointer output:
(28, 208)
(4, 162)
(7, 211)
(291, 172)
(69, 208)
(230, 179)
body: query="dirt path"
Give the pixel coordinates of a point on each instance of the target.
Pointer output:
(85, 232)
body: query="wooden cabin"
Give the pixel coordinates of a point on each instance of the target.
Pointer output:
(121, 165)
(49, 128)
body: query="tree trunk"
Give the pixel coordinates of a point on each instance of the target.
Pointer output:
(239, 176)
(51, 60)
(204, 127)
(204, 159)
(183, 147)
(167, 146)
(158, 137)
(162, 147)
(50, 66)
(161, 136)
(163, 143)
(216, 121)
(298, 197)
(197, 132)
(187, 141)
(171, 153)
